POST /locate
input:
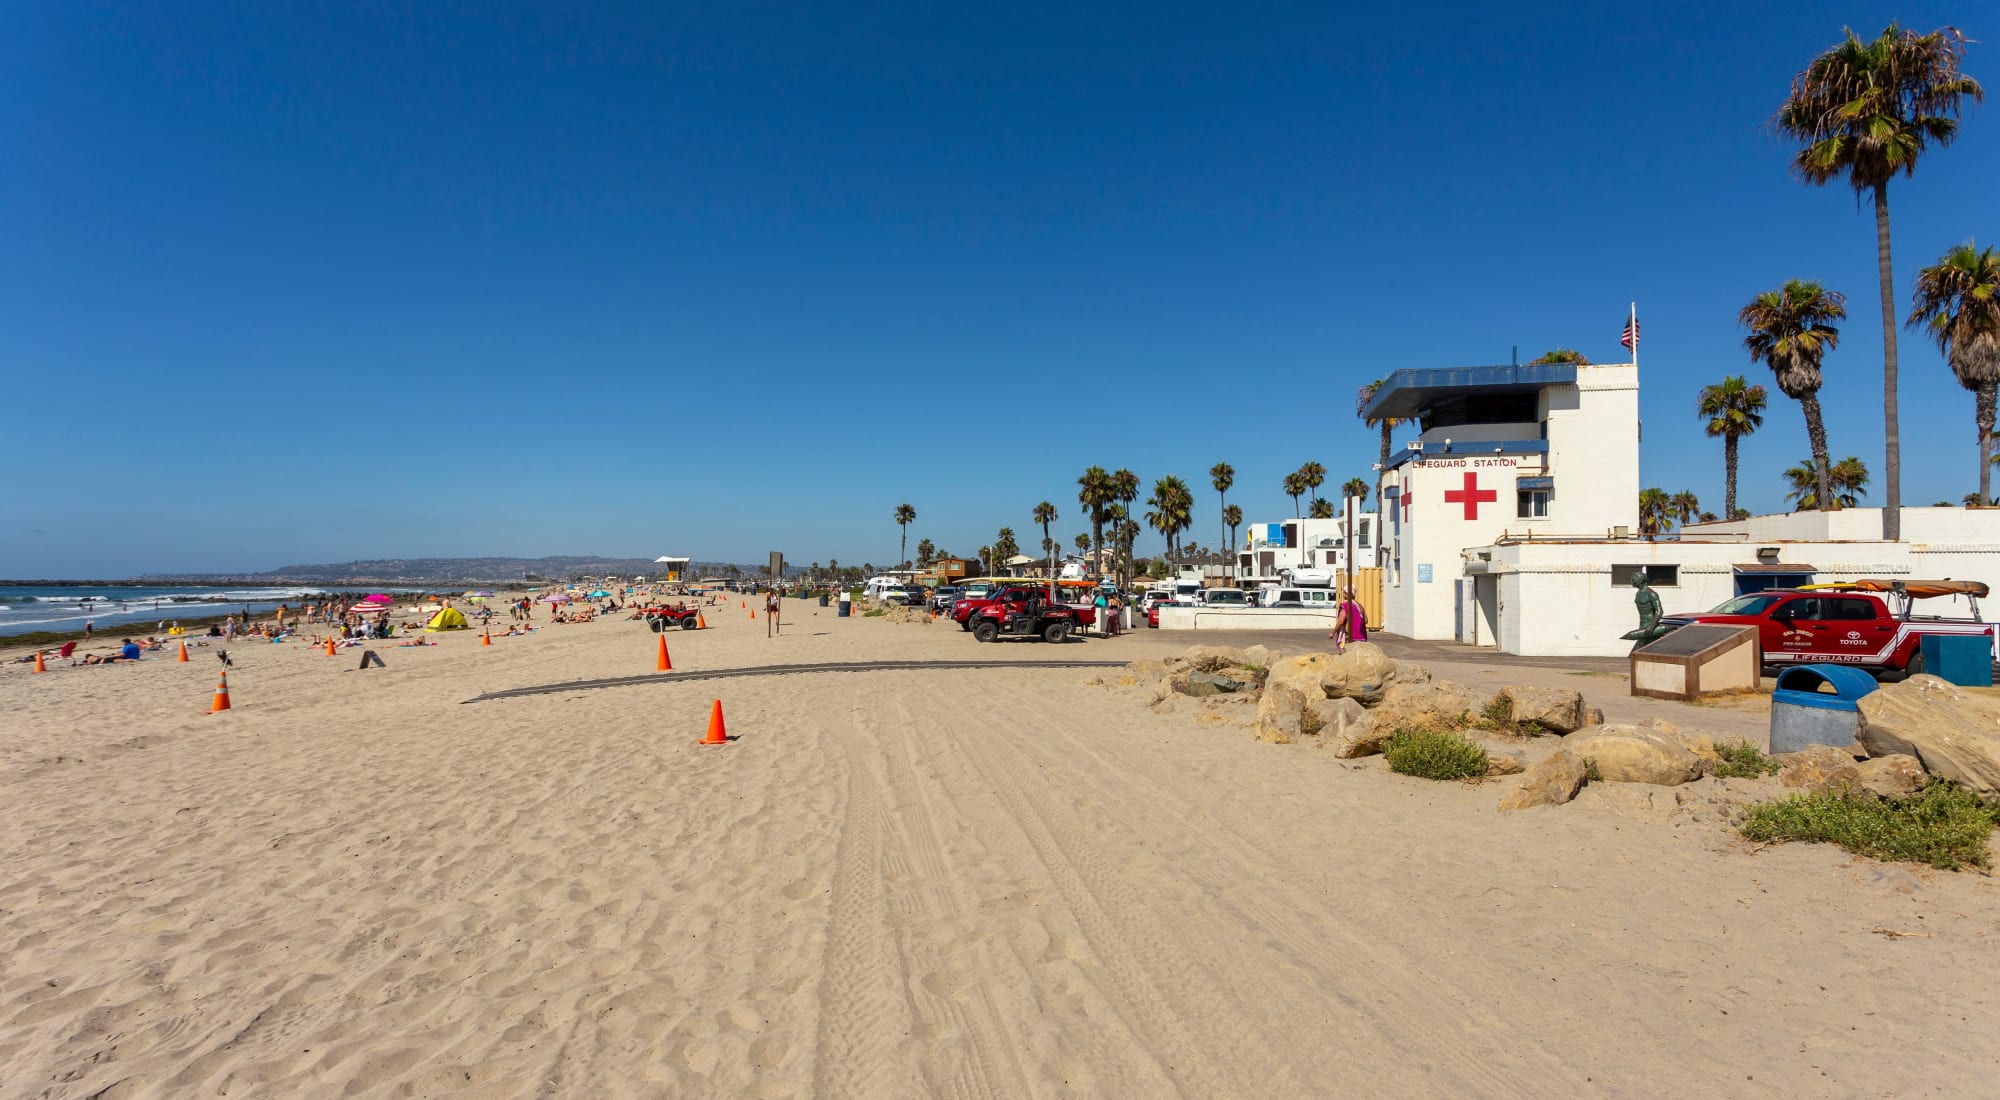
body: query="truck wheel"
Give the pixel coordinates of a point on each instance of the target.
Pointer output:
(985, 631)
(1055, 632)
(1916, 665)
(654, 623)
(687, 622)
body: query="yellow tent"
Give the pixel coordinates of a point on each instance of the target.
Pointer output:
(448, 619)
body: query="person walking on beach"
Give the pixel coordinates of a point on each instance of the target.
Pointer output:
(1350, 622)
(89, 625)
(771, 624)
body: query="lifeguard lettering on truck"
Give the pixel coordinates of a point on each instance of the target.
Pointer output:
(1835, 627)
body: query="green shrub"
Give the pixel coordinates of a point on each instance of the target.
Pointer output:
(1942, 825)
(1430, 754)
(1498, 710)
(1590, 772)
(1742, 760)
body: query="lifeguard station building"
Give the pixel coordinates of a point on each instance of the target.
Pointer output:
(1512, 505)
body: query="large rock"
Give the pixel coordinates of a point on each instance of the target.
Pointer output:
(1364, 673)
(1505, 763)
(1261, 657)
(1200, 684)
(1278, 714)
(1213, 658)
(1635, 754)
(1552, 782)
(1641, 802)
(1558, 710)
(1955, 735)
(1333, 719)
(1821, 768)
(1892, 777)
(1438, 705)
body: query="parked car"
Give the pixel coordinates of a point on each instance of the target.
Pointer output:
(1225, 597)
(904, 594)
(1323, 599)
(943, 596)
(967, 609)
(1846, 626)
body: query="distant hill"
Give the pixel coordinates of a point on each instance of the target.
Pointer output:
(450, 571)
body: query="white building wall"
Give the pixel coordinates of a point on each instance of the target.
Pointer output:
(1593, 432)
(1564, 599)
(1933, 525)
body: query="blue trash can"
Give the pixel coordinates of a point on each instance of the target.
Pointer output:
(845, 606)
(1965, 660)
(1817, 705)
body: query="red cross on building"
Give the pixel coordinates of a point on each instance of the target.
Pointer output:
(1472, 496)
(1406, 503)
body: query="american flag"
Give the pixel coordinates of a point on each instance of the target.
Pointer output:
(1631, 337)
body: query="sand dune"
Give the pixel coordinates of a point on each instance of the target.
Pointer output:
(967, 884)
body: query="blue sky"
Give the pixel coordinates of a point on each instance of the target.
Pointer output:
(290, 284)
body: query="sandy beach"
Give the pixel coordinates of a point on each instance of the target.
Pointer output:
(965, 883)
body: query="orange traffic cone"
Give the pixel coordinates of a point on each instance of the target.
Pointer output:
(700, 621)
(486, 638)
(743, 603)
(753, 612)
(183, 658)
(718, 734)
(329, 645)
(666, 663)
(39, 666)
(221, 695)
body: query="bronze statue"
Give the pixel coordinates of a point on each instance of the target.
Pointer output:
(1648, 603)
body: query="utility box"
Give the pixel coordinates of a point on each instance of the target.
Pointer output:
(1697, 660)
(1965, 660)
(1818, 705)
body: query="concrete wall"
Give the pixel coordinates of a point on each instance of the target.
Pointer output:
(1951, 525)
(1562, 599)
(1174, 617)
(1594, 451)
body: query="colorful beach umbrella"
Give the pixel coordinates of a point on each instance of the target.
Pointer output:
(557, 598)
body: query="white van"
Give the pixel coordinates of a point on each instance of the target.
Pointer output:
(1323, 599)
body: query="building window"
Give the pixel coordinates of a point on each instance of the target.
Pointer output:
(1659, 576)
(1531, 504)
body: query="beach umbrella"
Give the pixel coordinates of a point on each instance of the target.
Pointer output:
(376, 598)
(482, 593)
(599, 592)
(557, 598)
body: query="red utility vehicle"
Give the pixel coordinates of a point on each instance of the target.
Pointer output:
(1867, 623)
(966, 612)
(1032, 617)
(663, 618)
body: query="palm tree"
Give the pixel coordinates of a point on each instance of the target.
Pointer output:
(1559, 355)
(1125, 490)
(1656, 512)
(1386, 423)
(1222, 475)
(1865, 111)
(986, 561)
(1083, 544)
(1312, 475)
(1320, 508)
(1172, 504)
(1958, 300)
(1850, 481)
(1686, 506)
(905, 515)
(1790, 329)
(1354, 488)
(1847, 482)
(1295, 487)
(1232, 517)
(926, 553)
(1095, 491)
(1045, 514)
(1004, 546)
(1734, 409)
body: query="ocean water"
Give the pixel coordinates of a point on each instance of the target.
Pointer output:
(28, 608)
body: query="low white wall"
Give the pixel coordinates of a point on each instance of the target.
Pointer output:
(1244, 618)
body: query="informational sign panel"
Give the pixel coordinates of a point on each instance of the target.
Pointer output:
(1423, 572)
(777, 567)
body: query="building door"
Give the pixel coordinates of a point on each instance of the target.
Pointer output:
(1486, 618)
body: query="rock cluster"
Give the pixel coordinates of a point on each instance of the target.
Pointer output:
(1352, 702)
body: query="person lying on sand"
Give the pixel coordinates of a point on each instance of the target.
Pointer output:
(129, 651)
(414, 643)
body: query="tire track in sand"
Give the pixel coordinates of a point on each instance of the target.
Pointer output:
(860, 1012)
(1150, 970)
(1341, 962)
(936, 898)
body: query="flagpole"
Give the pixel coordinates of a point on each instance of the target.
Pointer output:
(1635, 333)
